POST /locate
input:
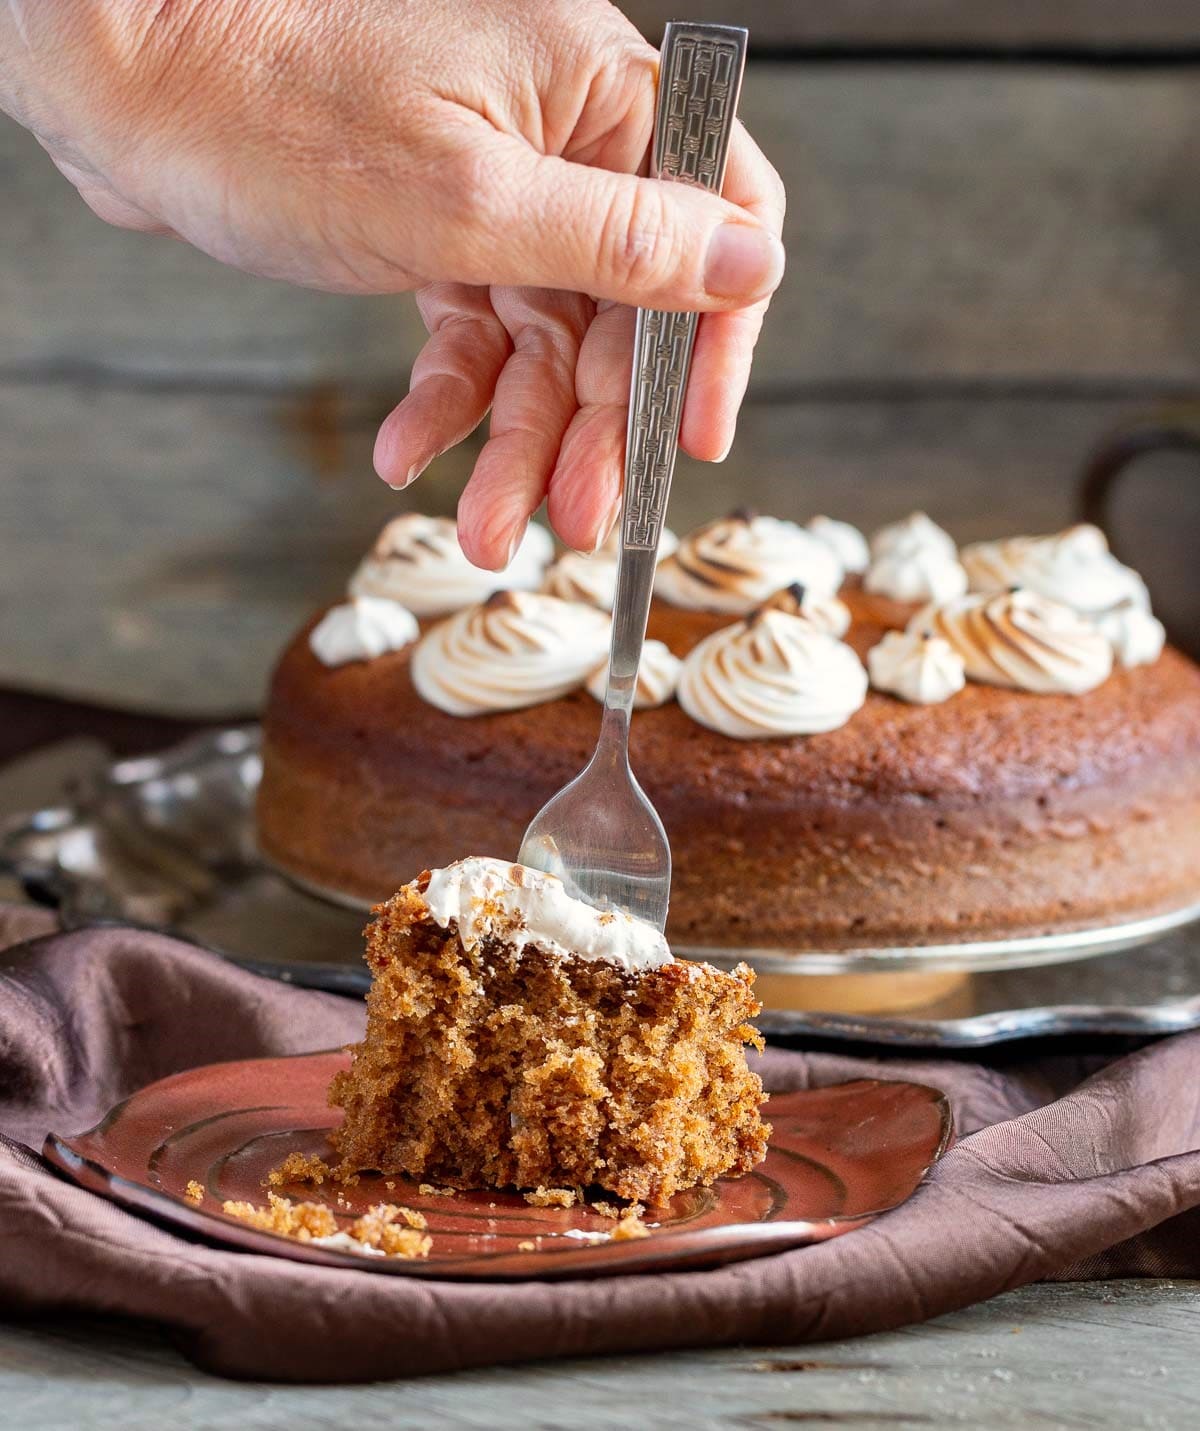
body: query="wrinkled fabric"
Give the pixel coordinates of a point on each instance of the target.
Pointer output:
(1067, 1167)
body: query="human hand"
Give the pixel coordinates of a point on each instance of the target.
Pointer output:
(483, 156)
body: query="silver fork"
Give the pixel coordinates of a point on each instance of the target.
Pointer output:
(600, 834)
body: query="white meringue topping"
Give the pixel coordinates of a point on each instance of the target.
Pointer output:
(769, 676)
(493, 899)
(1074, 566)
(576, 577)
(916, 666)
(915, 574)
(735, 563)
(657, 677)
(1021, 640)
(915, 530)
(517, 649)
(1137, 637)
(914, 560)
(360, 629)
(417, 560)
(823, 613)
(845, 541)
(591, 579)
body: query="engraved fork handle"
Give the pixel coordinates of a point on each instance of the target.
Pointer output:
(700, 77)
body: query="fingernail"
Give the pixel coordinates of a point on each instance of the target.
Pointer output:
(725, 454)
(413, 473)
(607, 525)
(742, 262)
(513, 545)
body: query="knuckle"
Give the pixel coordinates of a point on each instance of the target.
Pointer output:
(639, 240)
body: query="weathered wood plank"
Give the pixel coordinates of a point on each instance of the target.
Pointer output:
(157, 549)
(1095, 25)
(1104, 1356)
(946, 222)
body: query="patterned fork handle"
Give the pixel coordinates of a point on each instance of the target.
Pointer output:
(699, 83)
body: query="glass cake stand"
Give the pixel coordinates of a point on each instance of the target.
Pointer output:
(167, 842)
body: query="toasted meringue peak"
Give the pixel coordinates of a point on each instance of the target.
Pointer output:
(1021, 640)
(517, 649)
(914, 560)
(1137, 637)
(917, 666)
(361, 629)
(845, 541)
(772, 675)
(657, 677)
(823, 613)
(1073, 566)
(735, 563)
(417, 561)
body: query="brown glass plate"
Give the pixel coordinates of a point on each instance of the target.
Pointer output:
(838, 1158)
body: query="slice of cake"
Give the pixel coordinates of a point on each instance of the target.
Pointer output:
(517, 1037)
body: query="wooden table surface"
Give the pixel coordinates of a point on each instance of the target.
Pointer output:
(1098, 1354)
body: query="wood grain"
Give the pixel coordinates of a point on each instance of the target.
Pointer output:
(1106, 1356)
(158, 549)
(947, 223)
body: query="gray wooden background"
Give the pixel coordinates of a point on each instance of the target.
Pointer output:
(994, 243)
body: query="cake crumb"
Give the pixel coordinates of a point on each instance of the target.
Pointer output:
(552, 1197)
(299, 1168)
(526, 1246)
(309, 1168)
(376, 1231)
(610, 1209)
(428, 1190)
(194, 1192)
(629, 1226)
(301, 1220)
(377, 1228)
(389, 1183)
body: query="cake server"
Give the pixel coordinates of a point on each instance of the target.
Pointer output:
(600, 834)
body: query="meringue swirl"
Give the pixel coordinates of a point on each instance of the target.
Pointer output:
(845, 541)
(593, 579)
(915, 530)
(1137, 637)
(1074, 566)
(1021, 640)
(657, 677)
(916, 574)
(822, 613)
(590, 579)
(519, 648)
(772, 675)
(915, 560)
(733, 564)
(492, 899)
(417, 561)
(360, 629)
(917, 666)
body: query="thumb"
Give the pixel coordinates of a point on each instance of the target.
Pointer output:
(544, 222)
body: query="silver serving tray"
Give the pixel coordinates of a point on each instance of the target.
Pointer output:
(167, 842)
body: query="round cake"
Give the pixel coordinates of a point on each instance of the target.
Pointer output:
(849, 744)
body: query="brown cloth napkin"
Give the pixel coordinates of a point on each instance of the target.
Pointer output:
(1067, 1167)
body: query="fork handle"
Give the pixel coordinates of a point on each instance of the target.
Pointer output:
(700, 78)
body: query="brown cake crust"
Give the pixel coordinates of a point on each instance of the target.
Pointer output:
(487, 1068)
(992, 814)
